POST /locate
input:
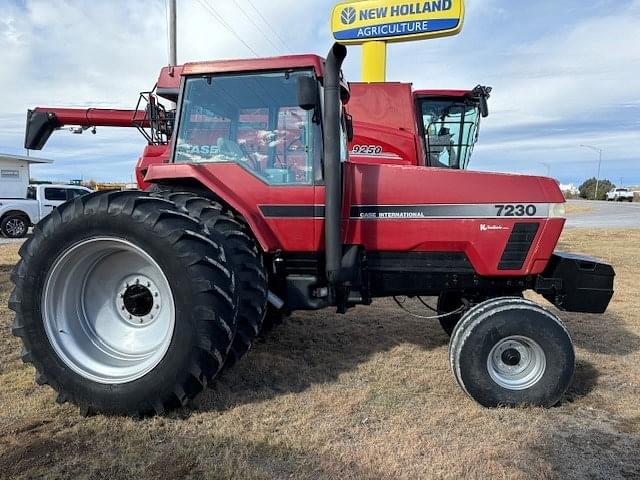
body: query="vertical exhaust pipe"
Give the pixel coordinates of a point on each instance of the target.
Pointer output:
(332, 166)
(173, 47)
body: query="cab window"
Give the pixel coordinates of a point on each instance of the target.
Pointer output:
(253, 120)
(451, 131)
(55, 194)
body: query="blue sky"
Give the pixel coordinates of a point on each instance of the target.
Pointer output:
(564, 74)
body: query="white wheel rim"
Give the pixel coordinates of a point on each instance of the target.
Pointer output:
(516, 363)
(108, 310)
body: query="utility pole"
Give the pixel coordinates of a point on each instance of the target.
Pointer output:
(173, 53)
(548, 165)
(599, 150)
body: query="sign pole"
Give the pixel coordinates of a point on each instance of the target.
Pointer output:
(374, 61)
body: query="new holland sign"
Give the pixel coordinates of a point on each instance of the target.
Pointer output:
(396, 21)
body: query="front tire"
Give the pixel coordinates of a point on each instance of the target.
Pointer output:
(14, 226)
(510, 352)
(124, 305)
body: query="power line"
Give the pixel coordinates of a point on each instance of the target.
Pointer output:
(275, 32)
(223, 22)
(255, 24)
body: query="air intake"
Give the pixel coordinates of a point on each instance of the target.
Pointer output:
(518, 246)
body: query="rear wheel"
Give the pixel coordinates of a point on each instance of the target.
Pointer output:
(124, 305)
(14, 226)
(510, 351)
(242, 254)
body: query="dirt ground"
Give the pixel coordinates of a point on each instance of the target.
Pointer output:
(369, 395)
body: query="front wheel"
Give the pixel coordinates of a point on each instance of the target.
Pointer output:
(124, 305)
(14, 226)
(510, 351)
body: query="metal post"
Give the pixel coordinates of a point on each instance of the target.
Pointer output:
(598, 177)
(599, 150)
(548, 165)
(173, 54)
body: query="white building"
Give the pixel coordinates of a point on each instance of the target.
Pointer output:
(569, 188)
(14, 175)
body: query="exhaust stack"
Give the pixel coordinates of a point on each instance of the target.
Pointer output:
(332, 167)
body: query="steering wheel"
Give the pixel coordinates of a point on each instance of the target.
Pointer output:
(236, 150)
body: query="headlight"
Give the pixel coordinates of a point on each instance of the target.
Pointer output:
(557, 210)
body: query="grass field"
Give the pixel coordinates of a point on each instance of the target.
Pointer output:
(368, 395)
(573, 209)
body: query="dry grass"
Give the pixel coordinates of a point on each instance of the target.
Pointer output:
(573, 209)
(368, 395)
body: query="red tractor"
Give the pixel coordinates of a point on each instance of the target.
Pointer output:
(131, 302)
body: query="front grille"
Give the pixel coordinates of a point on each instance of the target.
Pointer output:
(518, 246)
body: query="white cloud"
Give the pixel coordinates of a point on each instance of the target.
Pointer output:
(550, 74)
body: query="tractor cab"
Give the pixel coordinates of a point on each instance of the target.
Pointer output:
(449, 124)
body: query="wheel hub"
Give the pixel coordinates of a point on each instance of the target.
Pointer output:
(15, 227)
(138, 300)
(516, 363)
(511, 357)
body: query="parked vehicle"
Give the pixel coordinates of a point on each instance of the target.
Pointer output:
(620, 195)
(17, 215)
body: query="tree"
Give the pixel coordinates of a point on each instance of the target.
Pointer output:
(588, 189)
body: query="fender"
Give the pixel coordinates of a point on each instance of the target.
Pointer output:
(216, 179)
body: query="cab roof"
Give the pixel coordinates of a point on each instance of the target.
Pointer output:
(169, 81)
(442, 93)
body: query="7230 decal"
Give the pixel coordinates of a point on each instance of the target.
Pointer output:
(516, 210)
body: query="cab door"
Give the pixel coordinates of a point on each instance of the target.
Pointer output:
(244, 137)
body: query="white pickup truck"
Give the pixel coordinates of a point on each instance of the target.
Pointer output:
(620, 195)
(17, 215)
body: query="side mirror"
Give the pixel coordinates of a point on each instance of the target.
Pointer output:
(308, 94)
(484, 106)
(482, 93)
(348, 123)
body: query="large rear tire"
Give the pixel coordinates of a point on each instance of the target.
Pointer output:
(124, 304)
(244, 256)
(510, 351)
